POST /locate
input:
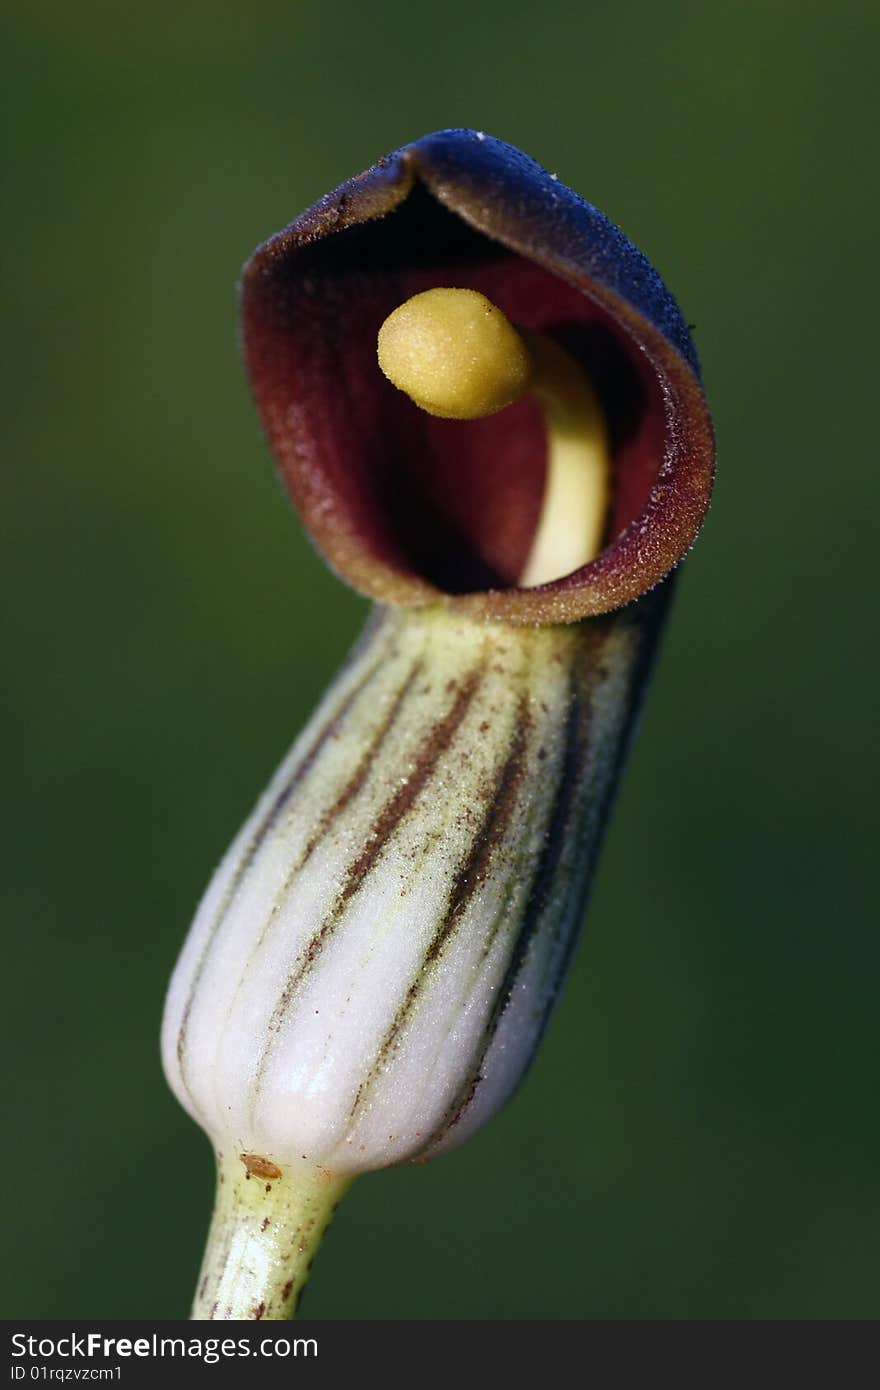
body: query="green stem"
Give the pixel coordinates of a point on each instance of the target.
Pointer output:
(265, 1230)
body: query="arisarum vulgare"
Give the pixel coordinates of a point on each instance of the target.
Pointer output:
(486, 407)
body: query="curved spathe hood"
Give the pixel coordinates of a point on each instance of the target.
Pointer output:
(411, 509)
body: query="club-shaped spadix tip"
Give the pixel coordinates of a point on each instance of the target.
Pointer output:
(454, 353)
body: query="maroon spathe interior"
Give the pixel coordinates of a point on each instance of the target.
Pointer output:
(455, 503)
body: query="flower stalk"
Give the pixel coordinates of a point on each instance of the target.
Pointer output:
(266, 1226)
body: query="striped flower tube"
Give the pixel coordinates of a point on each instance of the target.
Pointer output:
(374, 962)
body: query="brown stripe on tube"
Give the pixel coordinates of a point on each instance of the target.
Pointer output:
(344, 798)
(268, 823)
(387, 821)
(564, 804)
(501, 802)
(351, 789)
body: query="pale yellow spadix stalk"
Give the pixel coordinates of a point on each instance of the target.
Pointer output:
(456, 355)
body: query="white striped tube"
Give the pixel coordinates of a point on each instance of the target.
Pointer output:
(370, 971)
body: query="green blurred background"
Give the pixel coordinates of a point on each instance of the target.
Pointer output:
(699, 1138)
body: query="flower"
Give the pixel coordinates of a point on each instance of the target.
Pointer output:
(513, 481)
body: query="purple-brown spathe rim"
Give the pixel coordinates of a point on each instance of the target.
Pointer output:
(447, 209)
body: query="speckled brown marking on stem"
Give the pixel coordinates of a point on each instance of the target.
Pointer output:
(266, 825)
(500, 804)
(389, 818)
(228, 1235)
(260, 1167)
